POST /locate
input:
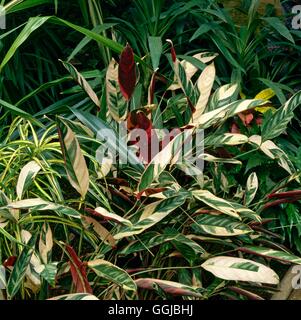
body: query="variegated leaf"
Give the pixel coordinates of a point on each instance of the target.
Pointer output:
(75, 296)
(238, 269)
(204, 84)
(171, 287)
(109, 271)
(219, 225)
(229, 139)
(27, 174)
(75, 163)
(37, 204)
(112, 216)
(16, 278)
(45, 243)
(251, 188)
(101, 231)
(151, 215)
(272, 254)
(216, 203)
(222, 96)
(116, 104)
(277, 123)
(82, 82)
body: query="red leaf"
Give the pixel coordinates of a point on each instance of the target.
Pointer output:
(173, 51)
(127, 72)
(149, 191)
(234, 128)
(78, 272)
(138, 120)
(246, 117)
(10, 262)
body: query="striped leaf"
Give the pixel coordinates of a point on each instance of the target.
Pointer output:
(229, 139)
(204, 84)
(216, 203)
(151, 215)
(101, 231)
(237, 269)
(27, 174)
(37, 204)
(75, 296)
(161, 160)
(16, 278)
(49, 273)
(210, 158)
(171, 287)
(2, 277)
(272, 254)
(219, 225)
(116, 104)
(210, 118)
(82, 82)
(112, 216)
(45, 243)
(222, 96)
(251, 188)
(277, 123)
(75, 163)
(147, 240)
(112, 273)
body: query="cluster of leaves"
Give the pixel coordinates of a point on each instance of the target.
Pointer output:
(74, 228)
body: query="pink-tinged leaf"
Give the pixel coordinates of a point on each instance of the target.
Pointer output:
(171, 287)
(127, 72)
(78, 272)
(173, 51)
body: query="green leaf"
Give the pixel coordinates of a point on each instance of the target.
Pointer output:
(112, 273)
(279, 27)
(156, 48)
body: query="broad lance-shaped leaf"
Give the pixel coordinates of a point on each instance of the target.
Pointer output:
(276, 124)
(109, 271)
(151, 215)
(101, 231)
(127, 72)
(27, 174)
(210, 118)
(204, 84)
(219, 225)
(78, 272)
(222, 96)
(75, 163)
(229, 139)
(45, 243)
(272, 254)
(37, 204)
(216, 203)
(16, 278)
(251, 188)
(171, 287)
(183, 80)
(238, 269)
(112, 216)
(75, 296)
(116, 104)
(82, 82)
(159, 162)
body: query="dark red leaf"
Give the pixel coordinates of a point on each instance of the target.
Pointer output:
(127, 72)
(78, 272)
(10, 262)
(150, 191)
(138, 120)
(287, 194)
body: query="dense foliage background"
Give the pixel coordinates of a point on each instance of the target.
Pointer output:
(74, 228)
